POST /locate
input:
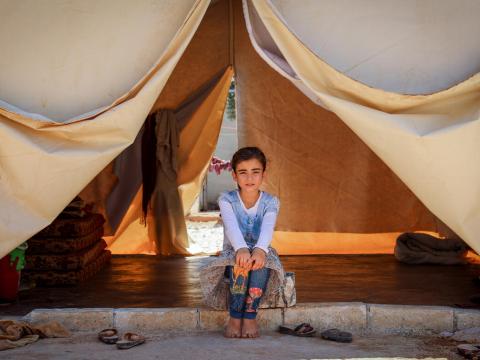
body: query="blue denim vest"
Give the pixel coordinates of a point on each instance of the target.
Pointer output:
(250, 225)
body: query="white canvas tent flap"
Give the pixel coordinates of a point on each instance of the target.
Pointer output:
(407, 47)
(69, 61)
(48, 151)
(429, 141)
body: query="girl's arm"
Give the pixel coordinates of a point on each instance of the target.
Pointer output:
(230, 224)
(234, 235)
(260, 251)
(266, 231)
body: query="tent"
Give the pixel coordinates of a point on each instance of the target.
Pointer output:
(368, 111)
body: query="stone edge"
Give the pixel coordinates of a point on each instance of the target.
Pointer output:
(75, 319)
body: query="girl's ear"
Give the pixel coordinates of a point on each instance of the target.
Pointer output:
(234, 176)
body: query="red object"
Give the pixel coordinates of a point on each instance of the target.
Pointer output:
(9, 279)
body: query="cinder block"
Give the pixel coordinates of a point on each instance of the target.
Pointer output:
(181, 319)
(75, 319)
(268, 319)
(15, 317)
(467, 318)
(322, 316)
(212, 319)
(408, 319)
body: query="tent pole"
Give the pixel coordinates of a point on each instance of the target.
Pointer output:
(231, 34)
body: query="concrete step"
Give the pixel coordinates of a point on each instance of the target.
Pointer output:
(203, 216)
(359, 318)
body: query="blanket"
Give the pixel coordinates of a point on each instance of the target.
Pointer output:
(19, 333)
(418, 248)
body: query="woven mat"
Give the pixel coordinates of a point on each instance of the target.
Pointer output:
(68, 228)
(65, 262)
(62, 278)
(55, 245)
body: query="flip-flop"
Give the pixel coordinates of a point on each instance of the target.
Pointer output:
(468, 306)
(303, 330)
(336, 335)
(108, 336)
(130, 340)
(475, 299)
(468, 351)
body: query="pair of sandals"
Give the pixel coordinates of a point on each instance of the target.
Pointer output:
(306, 330)
(128, 340)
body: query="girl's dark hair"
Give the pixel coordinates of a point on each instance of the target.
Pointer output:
(248, 153)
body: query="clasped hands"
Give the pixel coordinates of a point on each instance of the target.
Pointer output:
(250, 261)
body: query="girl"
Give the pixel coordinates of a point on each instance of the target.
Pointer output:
(251, 266)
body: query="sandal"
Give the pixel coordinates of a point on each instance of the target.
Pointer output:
(336, 335)
(468, 306)
(469, 351)
(130, 340)
(304, 329)
(475, 299)
(108, 336)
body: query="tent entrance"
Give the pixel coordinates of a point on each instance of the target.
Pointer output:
(218, 180)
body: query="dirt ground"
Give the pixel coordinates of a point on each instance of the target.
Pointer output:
(211, 345)
(206, 237)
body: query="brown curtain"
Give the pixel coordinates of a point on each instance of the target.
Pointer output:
(182, 163)
(206, 56)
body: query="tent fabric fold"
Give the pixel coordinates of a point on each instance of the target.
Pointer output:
(45, 164)
(204, 64)
(429, 141)
(113, 190)
(167, 215)
(179, 173)
(83, 85)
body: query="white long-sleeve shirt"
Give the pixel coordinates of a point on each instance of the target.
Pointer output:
(232, 230)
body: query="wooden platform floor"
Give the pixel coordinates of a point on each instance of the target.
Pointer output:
(151, 282)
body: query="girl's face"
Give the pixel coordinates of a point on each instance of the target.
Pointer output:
(249, 175)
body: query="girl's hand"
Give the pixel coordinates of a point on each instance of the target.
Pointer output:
(259, 257)
(243, 258)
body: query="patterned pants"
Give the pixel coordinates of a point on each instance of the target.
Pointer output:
(246, 290)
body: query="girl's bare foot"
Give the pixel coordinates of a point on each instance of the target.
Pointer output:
(250, 328)
(233, 328)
